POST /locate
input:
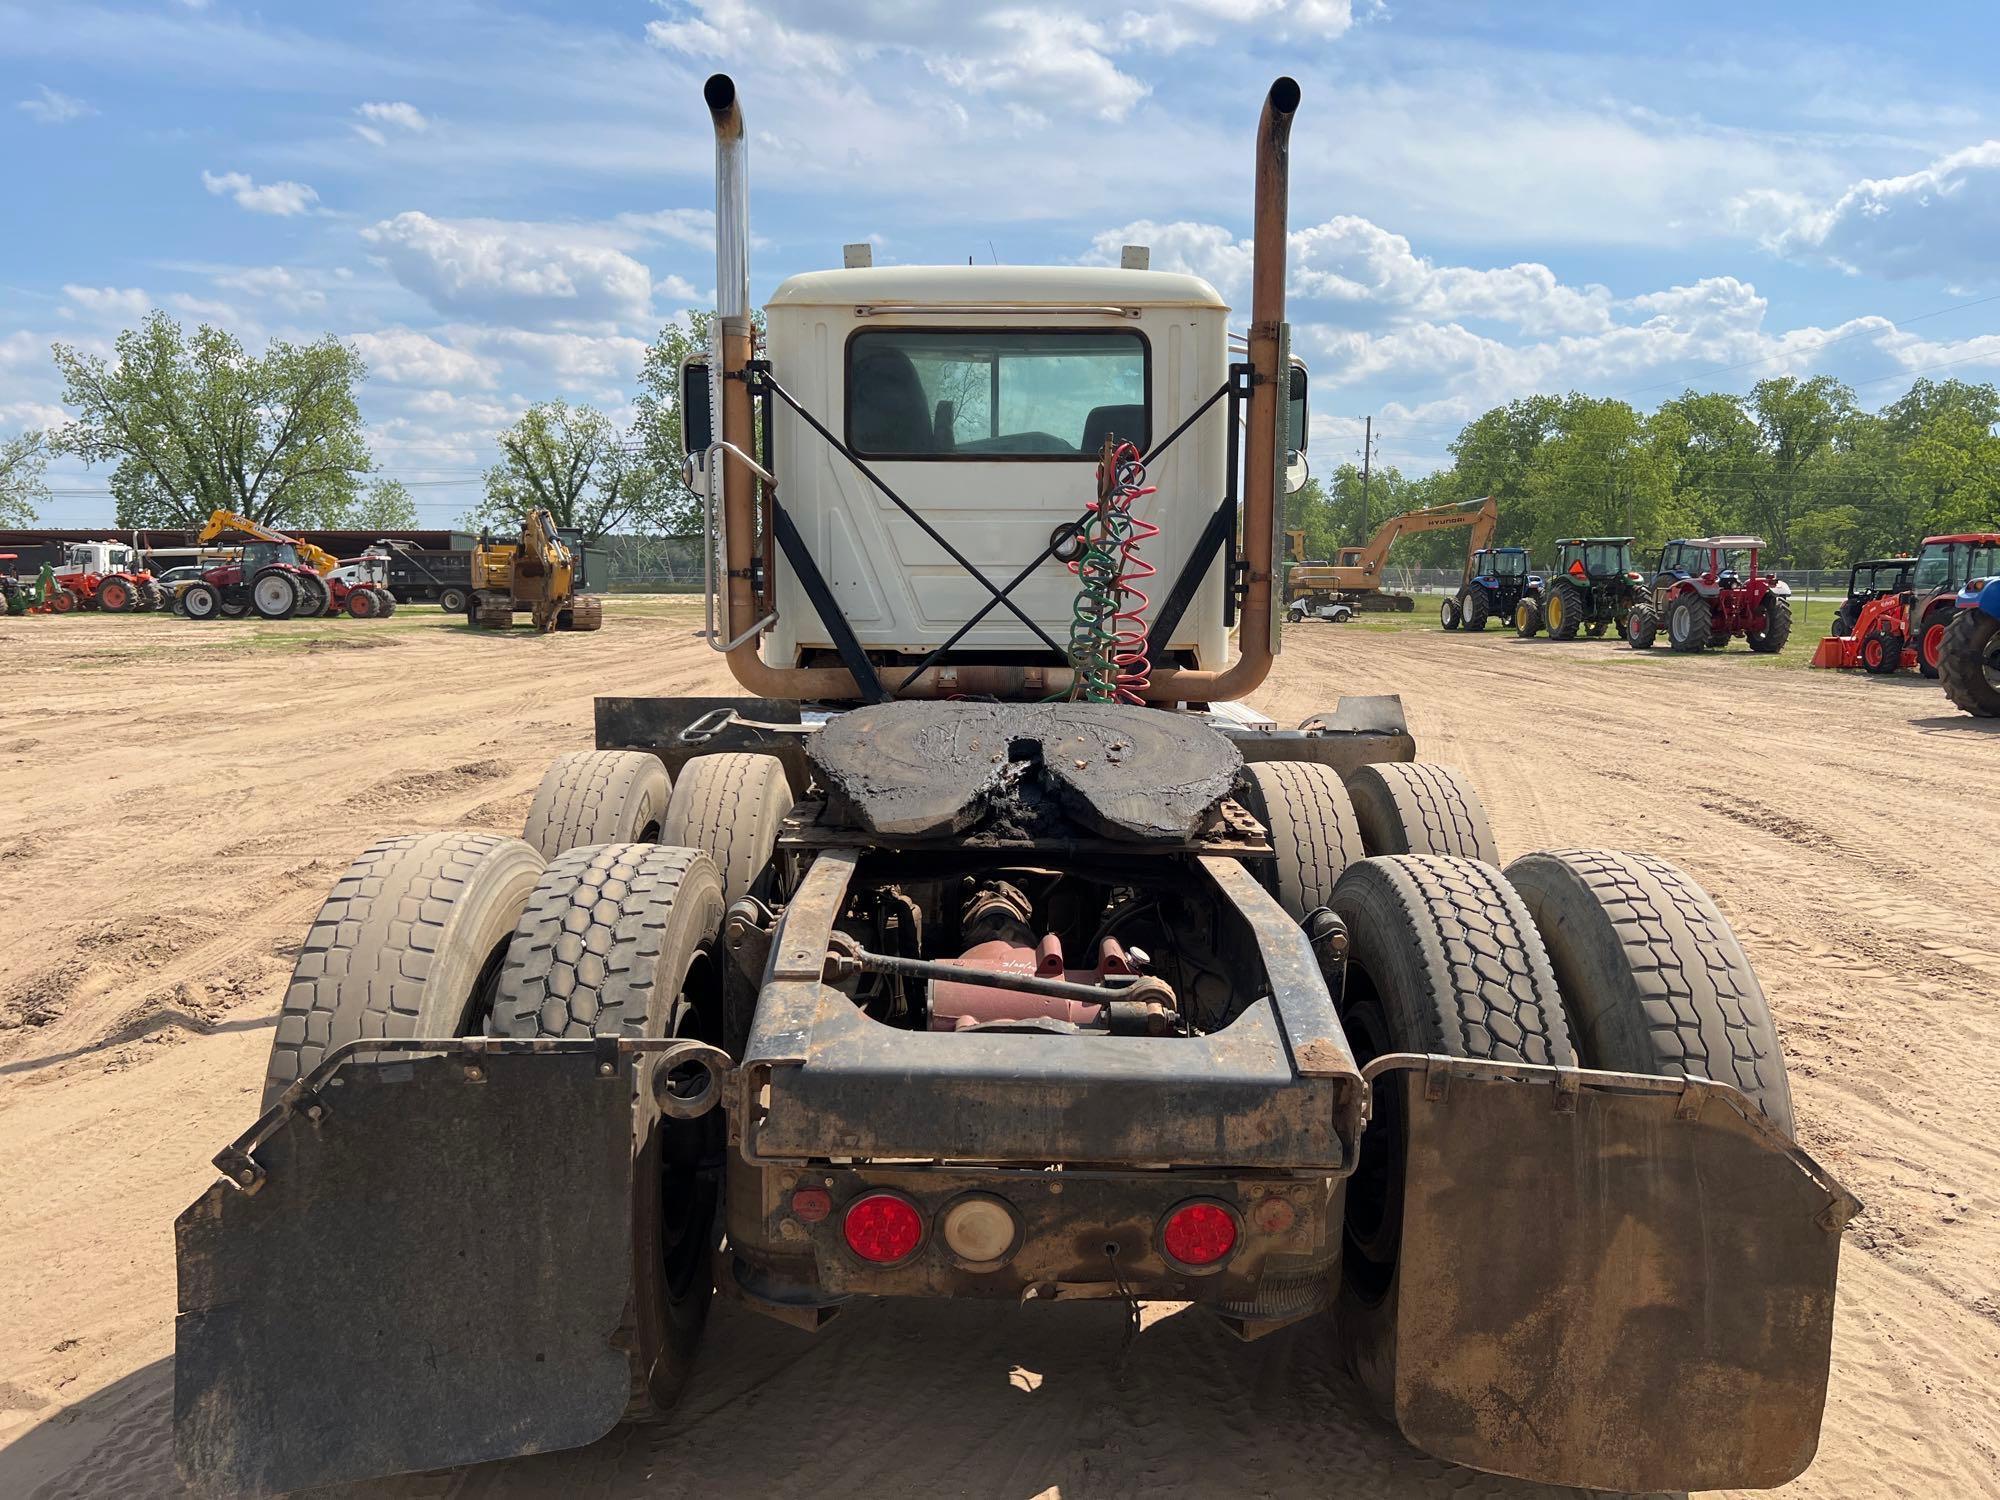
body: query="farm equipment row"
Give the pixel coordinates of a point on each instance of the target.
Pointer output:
(1899, 610)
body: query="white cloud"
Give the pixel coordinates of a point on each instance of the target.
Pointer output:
(574, 360)
(19, 416)
(281, 198)
(514, 272)
(288, 288)
(1043, 59)
(687, 226)
(377, 119)
(407, 357)
(1941, 221)
(220, 313)
(110, 301)
(51, 108)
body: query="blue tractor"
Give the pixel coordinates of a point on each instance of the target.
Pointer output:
(1496, 580)
(1969, 659)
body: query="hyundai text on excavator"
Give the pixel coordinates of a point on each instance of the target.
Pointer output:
(1356, 578)
(986, 945)
(535, 571)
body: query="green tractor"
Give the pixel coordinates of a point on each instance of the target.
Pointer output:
(1592, 587)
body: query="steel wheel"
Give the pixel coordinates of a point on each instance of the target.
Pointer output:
(275, 595)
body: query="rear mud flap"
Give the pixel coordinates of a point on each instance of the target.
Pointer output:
(1610, 1281)
(431, 1273)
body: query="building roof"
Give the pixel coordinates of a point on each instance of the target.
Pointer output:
(339, 543)
(1038, 286)
(1718, 541)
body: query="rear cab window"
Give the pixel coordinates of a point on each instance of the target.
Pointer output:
(924, 393)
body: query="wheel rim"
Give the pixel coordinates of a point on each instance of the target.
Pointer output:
(275, 595)
(1679, 625)
(1556, 613)
(1374, 1217)
(1871, 654)
(113, 595)
(1933, 645)
(199, 603)
(1990, 666)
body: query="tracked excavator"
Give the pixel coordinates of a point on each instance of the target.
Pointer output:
(986, 944)
(1355, 578)
(534, 570)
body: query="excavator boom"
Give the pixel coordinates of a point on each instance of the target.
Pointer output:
(1357, 577)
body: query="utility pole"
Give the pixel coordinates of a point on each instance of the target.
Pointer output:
(1367, 452)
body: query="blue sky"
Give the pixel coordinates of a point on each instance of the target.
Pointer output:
(501, 202)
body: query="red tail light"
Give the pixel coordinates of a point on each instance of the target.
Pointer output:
(883, 1227)
(1199, 1233)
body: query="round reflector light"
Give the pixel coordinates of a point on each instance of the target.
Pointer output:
(979, 1229)
(882, 1227)
(1199, 1234)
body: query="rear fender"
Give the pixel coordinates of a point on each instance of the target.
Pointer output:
(1609, 1280)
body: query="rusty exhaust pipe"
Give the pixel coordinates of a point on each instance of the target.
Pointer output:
(1262, 462)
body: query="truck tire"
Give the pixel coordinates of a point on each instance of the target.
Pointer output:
(1443, 958)
(598, 797)
(1642, 627)
(1564, 610)
(1478, 610)
(1448, 615)
(1652, 977)
(730, 805)
(1777, 627)
(623, 939)
(1969, 665)
(1690, 625)
(407, 943)
(452, 601)
(1313, 833)
(1412, 808)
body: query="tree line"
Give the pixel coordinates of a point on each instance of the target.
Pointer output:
(1797, 461)
(194, 423)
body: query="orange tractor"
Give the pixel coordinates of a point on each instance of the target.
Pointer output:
(1871, 630)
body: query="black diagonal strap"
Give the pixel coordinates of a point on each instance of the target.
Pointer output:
(1168, 617)
(828, 608)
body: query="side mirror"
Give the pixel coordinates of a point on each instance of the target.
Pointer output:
(1297, 470)
(697, 419)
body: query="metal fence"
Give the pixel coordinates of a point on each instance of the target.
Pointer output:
(639, 564)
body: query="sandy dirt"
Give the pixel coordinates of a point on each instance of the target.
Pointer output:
(175, 800)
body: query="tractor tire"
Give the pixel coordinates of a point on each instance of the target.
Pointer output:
(1690, 625)
(200, 601)
(274, 594)
(234, 609)
(1528, 619)
(1448, 615)
(116, 596)
(1478, 610)
(1969, 664)
(1642, 627)
(155, 593)
(362, 604)
(407, 943)
(1314, 835)
(622, 939)
(315, 597)
(1563, 610)
(1652, 977)
(1777, 627)
(452, 601)
(1882, 653)
(1844, 618)
(388, 602)
(598, 797)
(65, 601)
(1443, 958)
(730, 805)
(1930, 640)
(1412, 808)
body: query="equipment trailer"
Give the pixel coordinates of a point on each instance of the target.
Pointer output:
(985, 948)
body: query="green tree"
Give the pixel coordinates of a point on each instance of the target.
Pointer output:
(197, 425)
(386, 507)
(23, 458)
(657, 425)
(1798, 422)
(571, 461)
(1595, 474)
(1493, 453)
(1706, 445)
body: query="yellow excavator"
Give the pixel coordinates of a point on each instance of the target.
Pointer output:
(535, 571)
(1355, 577)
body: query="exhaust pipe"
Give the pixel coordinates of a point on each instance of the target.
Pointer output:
(1262, 462)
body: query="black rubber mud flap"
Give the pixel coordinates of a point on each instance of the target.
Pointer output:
(431, 1275)
(1609, 1281)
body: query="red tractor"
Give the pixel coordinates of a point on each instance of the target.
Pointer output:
(265, 577)
(1706, 591)
(1946, 565)
(107, 576)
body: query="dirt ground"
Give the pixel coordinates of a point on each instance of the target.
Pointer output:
(175, 800)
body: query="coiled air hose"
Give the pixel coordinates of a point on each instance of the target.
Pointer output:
(1107, 632)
